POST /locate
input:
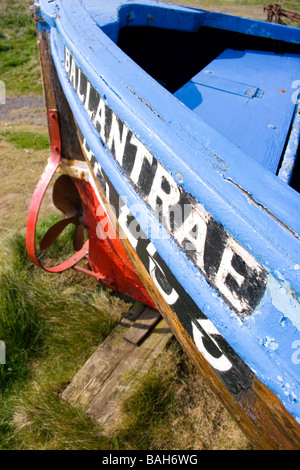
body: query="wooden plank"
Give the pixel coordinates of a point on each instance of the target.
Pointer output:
(142, 326)
(55, 99)
(106, 405)
(111, 373)
(104, 359)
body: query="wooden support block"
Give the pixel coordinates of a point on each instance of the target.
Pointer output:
(111, 373)
(142, 326)
(111, 350)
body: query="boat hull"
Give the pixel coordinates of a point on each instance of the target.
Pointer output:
(211, 317)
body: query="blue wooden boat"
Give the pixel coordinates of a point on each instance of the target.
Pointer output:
(182, 125)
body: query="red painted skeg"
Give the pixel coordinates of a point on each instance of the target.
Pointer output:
(38, 195)
(108, 260)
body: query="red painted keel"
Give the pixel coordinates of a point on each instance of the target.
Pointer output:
(107, 258)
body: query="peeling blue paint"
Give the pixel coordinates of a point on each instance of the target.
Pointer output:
(290, 155)
(282, 297)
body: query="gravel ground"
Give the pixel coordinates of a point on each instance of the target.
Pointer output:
(28, 109)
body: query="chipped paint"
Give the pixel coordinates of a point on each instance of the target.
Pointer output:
(283, 299)
(144, 102)
(270, 343)
(289, 158)
(287, 390)
(74, 168)
(251, 200)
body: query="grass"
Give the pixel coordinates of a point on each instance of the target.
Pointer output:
(174, 409)
(23, 156)
(27, 139)
(251, 8)
(50, 326)
(19, 63)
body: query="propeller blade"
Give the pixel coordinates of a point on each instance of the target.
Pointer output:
(66, 197)
(78, 239)
(54, 231)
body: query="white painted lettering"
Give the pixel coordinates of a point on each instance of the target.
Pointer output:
(141, 154)
(99, 119)
(80, 95)
(116, 139)
(73, 73)
(87, 150)
(235, 273)
(226, 269)
(67, 60)
(170, 297)
(220, 363)
(164, 193)
(193, 231)
(87, 100)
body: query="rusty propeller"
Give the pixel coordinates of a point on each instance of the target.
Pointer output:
(66, 198)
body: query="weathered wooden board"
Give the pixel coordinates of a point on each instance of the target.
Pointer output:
(141, 327)
(110, 374)
(55, 99)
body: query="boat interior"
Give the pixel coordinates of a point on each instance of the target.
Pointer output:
(244, 86)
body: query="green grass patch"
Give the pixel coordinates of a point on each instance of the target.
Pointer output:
(172, 408)
(236, 4)
(50, 325)
(20, 170)
(151, 407)
(253, 9)
(19, 61)
(27, 139)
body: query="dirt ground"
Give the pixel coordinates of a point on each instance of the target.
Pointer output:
(20, 168)
(25, 109)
